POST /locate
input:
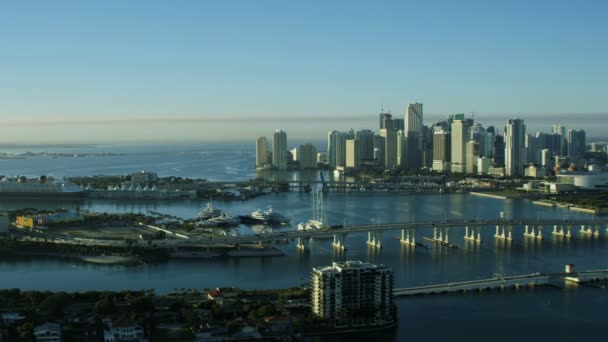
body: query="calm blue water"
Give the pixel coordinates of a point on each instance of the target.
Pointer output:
(548, 314)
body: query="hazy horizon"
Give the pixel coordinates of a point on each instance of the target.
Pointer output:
(195, 70)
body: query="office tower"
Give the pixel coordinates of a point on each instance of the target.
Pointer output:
(390, 148)
(336, 149)
(532, 154)
(414, 135)
(353, 159)
(279, 150)
(398, 124)
(365, 144)
(552, 142)
(350, 134)
(352, 293)
(515, 148)
(379, 147)
(452, 118)
(441, 126)
(427, 147)
(561, 131)
(478, 133)
(489, 144)
(401, 150)
(386, 121)
(472, 154)
(307, 156)
(261, 152)
(545, 158)
(576, 144)
(491, 129)
(441, 150)
(460, 135)
(499, 151)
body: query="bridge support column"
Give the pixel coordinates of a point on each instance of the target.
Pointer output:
(446, 234)
(540, 233)
(510, 237)
(406, 239)
(472, 237)
(528, 233)
(339, 241)
(596, 233)
(303, 243)
(500, 235)
(373, 239)
(435, 233)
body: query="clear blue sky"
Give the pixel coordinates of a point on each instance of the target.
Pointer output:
(83, 64)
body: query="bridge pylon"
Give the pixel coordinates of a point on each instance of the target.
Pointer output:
(374, 239)
(304, 244)
(407, 239)
(339, 241)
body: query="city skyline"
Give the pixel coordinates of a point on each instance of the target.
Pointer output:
(75, 72)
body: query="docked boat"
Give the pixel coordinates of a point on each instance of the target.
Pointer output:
(269, 217)
(209, 212)
(318, 221)
(223, 220)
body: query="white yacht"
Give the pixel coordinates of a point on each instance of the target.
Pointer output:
(318, 220)
(209, 212)
(224, 220)
(269, 217)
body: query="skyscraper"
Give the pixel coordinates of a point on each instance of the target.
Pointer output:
(279, 150)
(499, 150)
(460, 134)
(472, 155)
(576, 143)
(353, 159)
(390, 148)
(307, 156)
(336, 149)
(413, 135)
(352, 293)
(532, 150)
(261, 152)
(515, 148)
(365, 144)
(561, 130)
(441, 150)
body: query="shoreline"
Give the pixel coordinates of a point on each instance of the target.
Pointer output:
(482, 194)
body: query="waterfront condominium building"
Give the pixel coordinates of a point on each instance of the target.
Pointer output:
(413, 135)
(306, 156)
(261, 152)
(279, 150)
(460, 135)
(515, 148)
(352, 293)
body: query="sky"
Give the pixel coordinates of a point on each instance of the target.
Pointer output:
(83, 71)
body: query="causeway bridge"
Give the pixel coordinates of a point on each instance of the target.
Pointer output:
(500, 282)
(440, 230)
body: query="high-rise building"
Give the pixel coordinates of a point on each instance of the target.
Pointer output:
(499, 151)
(279, 150)
(515, 148)
(307, 156)
(472, 155)
(442, 150)
(386, 121)
(353, 159)
(460, 135)
(352, 293)
(401, 150)
(532, 154)
(576, 144)
(414, 135)
(478, 133)
(379, 147)
(336, 149)
(390, 148)
(561, 131)
(261, 152)
(398, 125)
(365, 144)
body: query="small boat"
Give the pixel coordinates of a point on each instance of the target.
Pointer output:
(269, 217)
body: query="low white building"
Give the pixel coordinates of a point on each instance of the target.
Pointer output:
(584, 180)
